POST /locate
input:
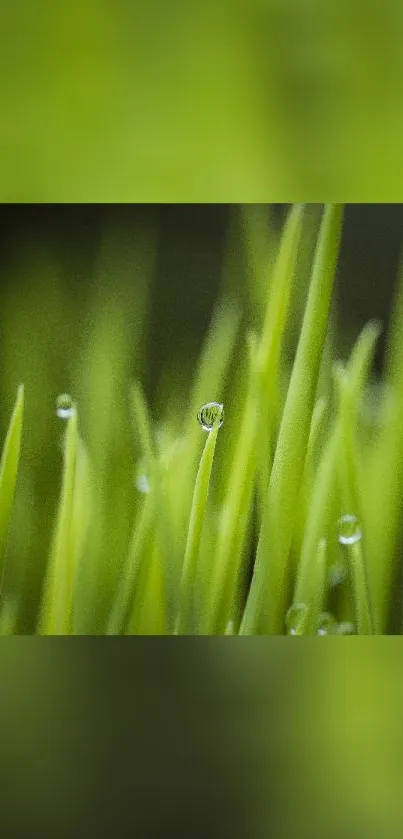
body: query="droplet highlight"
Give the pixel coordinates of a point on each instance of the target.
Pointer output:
(326, 624)
(65, 406)
(211, 415)
(296, 619)
(142, 483)
(349, 530)
(140, 477)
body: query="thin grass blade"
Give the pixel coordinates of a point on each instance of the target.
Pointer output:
(8, 472)
(262, 379)
(265, 607)
(56, 612)
(185, 621)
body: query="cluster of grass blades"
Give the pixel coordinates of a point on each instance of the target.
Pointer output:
(265, 521)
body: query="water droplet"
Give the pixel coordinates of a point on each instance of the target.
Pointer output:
(211, 415)
(326, 624)
(142, 483)
(349, 530)
(345, 628)
(229, 630)
(65, 406)
(295, 619)
(140, 477)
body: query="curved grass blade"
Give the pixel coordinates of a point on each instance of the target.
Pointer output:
(308, 476)
(352, 500)
(185, 619)
(318, 523)
(165, 533)
(262, 379)
(56, 611)
(265, 607)
(8, 472)
(129, 587)
(213, 364)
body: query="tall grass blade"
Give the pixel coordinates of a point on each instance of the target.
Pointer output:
(265, 607)
(262, 380)
(186, 622)
(8, 472)
(56, 613)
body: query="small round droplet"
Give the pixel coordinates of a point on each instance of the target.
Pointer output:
(349, 530)
(65, 406)
(211, 415)
(326, 624)
(295, 619)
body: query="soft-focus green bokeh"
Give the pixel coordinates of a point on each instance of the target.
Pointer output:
(243, 100)
(259, 737)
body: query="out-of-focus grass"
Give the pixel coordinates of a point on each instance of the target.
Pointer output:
(158, 529)
(252, 100)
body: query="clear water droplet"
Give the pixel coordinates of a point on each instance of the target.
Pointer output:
(295, 619)
(142, 483)
(65, 406)
(345, 628)
(349, 530)
(211, 415)
(140, 476)
(326, 624)
(229, 630)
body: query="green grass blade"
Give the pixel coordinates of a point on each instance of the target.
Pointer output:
(185, 621)
(8, 472)
(262, 380)
(166, 536)
(318, 522)
(129, 589)
(308, 476)
(265, 607)
(321, 508)
(352, 500)
(9, 617)
(208, 384)
(385, 478)
(313, 591)
(56, 612)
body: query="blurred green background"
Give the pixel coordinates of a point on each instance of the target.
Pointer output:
(119, 100)
(247, 738)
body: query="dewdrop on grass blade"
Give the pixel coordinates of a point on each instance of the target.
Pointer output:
(211, 415)
(295, 619)
(65, 406)
(349, 530)
(326, 624)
